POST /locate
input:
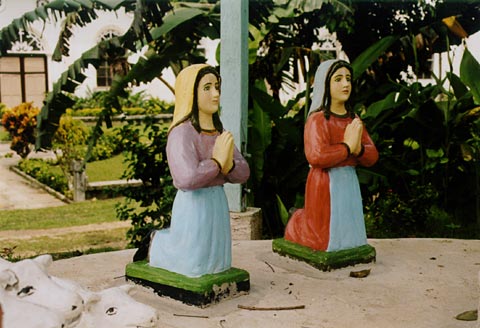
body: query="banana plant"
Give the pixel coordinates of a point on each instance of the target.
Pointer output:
(430, 134)
(171, 30)
(146, 15)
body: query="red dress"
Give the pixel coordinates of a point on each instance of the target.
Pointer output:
(324, 150)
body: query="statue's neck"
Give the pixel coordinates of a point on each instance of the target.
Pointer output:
(206, 121)
(338, 108)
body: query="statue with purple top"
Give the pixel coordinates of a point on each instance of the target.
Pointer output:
(191, 260)
(202, 157)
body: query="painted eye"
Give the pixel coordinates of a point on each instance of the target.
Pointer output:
(111, 311)
(25, 291)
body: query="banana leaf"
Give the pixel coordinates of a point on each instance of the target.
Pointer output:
(369, 56)
(470, 73)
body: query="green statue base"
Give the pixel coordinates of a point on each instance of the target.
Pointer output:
(201, 291)
(325, 261)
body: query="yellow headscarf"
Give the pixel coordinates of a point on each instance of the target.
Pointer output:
(184, 93)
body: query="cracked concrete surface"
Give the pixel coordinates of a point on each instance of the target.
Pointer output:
(416, 283)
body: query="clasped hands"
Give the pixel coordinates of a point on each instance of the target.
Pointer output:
(353, 136)
(223, 151)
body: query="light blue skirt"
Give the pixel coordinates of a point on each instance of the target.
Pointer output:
(198, 240)
(347, 224)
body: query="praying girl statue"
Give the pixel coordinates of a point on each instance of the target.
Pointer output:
(336, 142)
(202, 157)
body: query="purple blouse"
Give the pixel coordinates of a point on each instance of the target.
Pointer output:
(189, 156)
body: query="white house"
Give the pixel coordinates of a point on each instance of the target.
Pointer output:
(28, 71)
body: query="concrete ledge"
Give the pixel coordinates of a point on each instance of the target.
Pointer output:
(247, 225)
(109, 189)
(201, 291)
(98, 185)
(38, 184)
(135, 118)
(325, 261)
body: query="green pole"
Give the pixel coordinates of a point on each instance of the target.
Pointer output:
(234, 73)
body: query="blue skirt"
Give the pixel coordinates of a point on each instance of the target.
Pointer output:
(347, 224)
(198, 240)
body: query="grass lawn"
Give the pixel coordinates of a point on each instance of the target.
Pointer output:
(65, 244)
(4, 135)
(106, 170)
(68, 245)
(75, 214)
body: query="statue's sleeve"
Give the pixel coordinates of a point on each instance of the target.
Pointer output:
(240, 171)
(188, 171)
(318, 150)
(370, 153)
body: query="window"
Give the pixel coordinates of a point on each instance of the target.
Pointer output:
(328, 54)
(23, 72)
(23, 78)
(426, 68)
(104, 71)
(104, 75)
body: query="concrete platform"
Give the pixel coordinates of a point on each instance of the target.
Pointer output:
(414, 283)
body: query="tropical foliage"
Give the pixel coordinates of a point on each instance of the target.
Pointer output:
(46, 172)
(147, 15)
(70, 143)
(148, 207)
(427, 135)
(287, 56)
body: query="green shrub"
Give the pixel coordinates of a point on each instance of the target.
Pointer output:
(84, 112)
(108, 145)
(70, 138)
(3, 109)
(136, 104)
(389, 215)
(154, 109)
(148, 207)
(47, 172)
(4, 135)
(69, 144)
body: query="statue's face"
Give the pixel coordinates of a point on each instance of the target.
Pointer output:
(341, 85)
(208, 94)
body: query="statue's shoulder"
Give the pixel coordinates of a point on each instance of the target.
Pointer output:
(316, 117)
(185, 127)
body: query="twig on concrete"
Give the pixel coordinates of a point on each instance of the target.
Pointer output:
(275, 308)
(191, 316)
(269, 265)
